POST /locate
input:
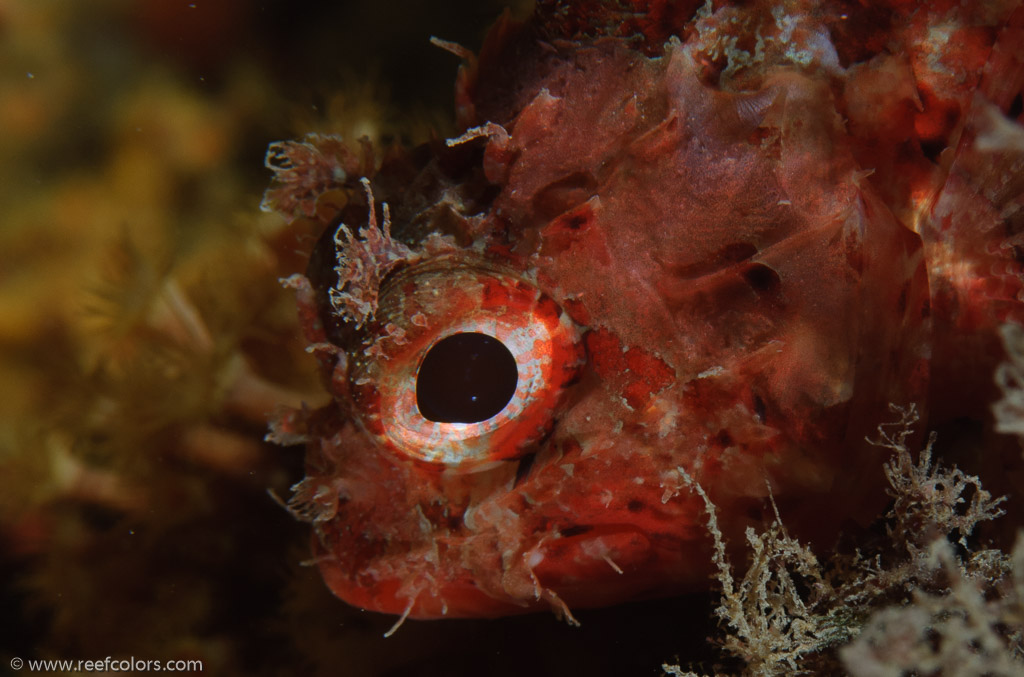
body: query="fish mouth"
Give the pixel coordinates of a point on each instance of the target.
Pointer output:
(581, 566)
(600, 565)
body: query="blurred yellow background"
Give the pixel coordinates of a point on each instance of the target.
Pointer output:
(144, 336)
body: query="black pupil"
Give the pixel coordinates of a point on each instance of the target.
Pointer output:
(465, 378)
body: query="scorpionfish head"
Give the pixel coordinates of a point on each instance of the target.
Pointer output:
(628, 288)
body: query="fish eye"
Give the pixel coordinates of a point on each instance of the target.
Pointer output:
(464, 366)
(465, 378)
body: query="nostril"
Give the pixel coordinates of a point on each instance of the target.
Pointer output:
(762, 278)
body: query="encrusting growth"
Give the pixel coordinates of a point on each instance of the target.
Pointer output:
(925, 601)
(363, 263)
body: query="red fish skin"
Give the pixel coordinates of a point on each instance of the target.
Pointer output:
(759, 264)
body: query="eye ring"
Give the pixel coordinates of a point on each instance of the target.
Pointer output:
(423, 306)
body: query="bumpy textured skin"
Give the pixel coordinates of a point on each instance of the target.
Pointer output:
(766, 221)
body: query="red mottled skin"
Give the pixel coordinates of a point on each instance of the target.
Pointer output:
(766, 229)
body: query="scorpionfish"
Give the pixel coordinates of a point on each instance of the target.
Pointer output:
(674, 244)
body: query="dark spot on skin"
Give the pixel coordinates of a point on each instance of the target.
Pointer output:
(901, 303)
(1016, 106)
(575, 222)
(762, 278)
(933, 148)
(635, 505)
(723, 439)
(575, 530)
(760, 409)
(524, 468)
(926, 309)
